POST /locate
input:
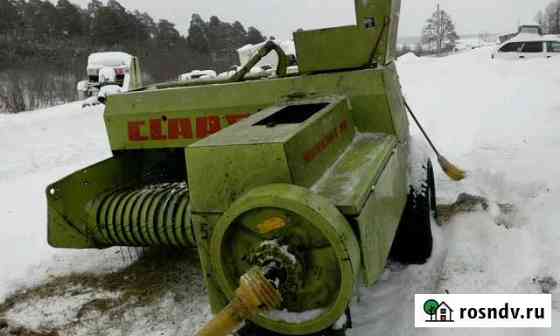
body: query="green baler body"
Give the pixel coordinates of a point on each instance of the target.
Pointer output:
(328, 146)
(178, 117)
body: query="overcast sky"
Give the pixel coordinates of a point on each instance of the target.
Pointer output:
(281, 17)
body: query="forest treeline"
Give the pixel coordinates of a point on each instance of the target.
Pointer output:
(549, 18)
(44, 46)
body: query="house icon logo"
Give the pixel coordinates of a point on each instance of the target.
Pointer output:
(438, 312)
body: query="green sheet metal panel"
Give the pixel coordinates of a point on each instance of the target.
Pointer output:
(381, 215)
(135, 74)
(224, 166)
(395, 102)
(393, 33)
(349, 182)
(218, 175)
(203, 224)
(387, 16)
(372, 40)
(178, 117)
(68, 219)
(320, 143)
(348, 47)
(267, 126)
(70, 200)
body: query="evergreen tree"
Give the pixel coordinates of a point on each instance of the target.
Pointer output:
(218, 32)
(167, 36)
(9, 17)
(106, 26)
(146, 24)
(552, 18)
(39, 20)
(198, 35)
(240, 35)
(93, 7)
(42, 38)
(254, 36)
(70, 22)
(116, 6)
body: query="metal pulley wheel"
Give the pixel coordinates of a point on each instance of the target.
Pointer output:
(302, 234)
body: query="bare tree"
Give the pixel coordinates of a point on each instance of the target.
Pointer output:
(551, 18)
(439, 34)
(12, 95)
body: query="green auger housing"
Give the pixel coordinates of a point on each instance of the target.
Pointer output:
(306, 171)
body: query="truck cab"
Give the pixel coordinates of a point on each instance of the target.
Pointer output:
(125, 66)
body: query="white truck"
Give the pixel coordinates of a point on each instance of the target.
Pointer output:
(115, 69)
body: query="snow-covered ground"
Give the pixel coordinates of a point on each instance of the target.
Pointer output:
(500, 121)
(37, 148)
(497, 119)
(470, 43)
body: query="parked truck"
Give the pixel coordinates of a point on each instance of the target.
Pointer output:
(126, 68)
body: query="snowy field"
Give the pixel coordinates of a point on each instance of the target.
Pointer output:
(499, 120)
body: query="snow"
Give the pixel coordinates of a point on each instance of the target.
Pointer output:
(290, 317)
(408, 58)
(56, 311)
(250, 50)
(109, 59)
(198, 74)
(283, 250)
(351, 181)
(497, 119)
(527, 37)
(37, 149)
(109, 90)
(472, 43)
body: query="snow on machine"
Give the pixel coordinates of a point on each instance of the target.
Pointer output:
(294, 188)
(267, 64)
(270, 61)
(197, 74)
(126, 75)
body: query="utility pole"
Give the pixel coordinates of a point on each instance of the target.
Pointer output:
(439, 29)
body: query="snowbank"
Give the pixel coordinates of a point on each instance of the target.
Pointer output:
(109, 59)
(37, 149)
(408, 58)
(499, 120)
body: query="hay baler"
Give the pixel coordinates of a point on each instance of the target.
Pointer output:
(301, 177)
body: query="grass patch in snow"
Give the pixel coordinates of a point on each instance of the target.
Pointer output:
(145, 279)
(69, 304)
(469, 203)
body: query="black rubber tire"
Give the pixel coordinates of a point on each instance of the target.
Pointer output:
(252, 330)
(413, 241)
(431, 182)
